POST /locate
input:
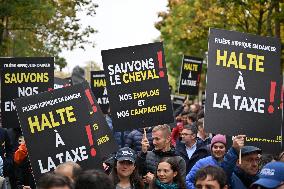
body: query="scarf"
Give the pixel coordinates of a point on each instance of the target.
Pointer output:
(165, 186)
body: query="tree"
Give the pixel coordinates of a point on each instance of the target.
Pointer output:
(184, 27)
(90, 66)
(43, 27)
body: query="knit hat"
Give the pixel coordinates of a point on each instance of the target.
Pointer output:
(218, 138)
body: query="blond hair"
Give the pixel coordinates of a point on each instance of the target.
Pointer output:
(165, 128)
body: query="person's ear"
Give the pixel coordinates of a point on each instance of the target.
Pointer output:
(168, 139)
(175, 173)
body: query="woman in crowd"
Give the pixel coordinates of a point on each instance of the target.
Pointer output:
(168, 175)
(124, 173)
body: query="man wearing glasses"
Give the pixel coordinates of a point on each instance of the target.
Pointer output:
(189, 148)
(246, 171)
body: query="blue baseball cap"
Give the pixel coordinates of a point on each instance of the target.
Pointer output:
(271, 175)
(126, 154)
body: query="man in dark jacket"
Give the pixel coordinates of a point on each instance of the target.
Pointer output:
(246, 171)
(135, 137)
(147, 161)
(202, 135)
(189, 148)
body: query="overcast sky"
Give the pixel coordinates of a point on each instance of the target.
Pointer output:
(120, 23)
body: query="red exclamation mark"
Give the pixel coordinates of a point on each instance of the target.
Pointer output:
(89, 96)
(90, 139)
(272, 93)
(160, 60)
(281, 104)
(198, 78)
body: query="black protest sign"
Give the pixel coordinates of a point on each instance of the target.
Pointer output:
(190, 75)
(137, 86)
(59, 127)
(103, 134)
(266, 145)
(98, 86)
(178, 101)
(243, 85)
(22, 77)
(69, 80)
(60, 83)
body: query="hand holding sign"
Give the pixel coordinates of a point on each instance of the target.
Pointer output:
(145, 142)
(238, 142)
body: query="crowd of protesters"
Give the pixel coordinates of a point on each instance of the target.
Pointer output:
(159, 157)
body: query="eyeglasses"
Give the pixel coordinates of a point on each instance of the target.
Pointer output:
(252, 160)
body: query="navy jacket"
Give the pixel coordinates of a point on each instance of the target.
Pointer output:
(241, 180)
(134, 139)
(120, 137)
(201, 151)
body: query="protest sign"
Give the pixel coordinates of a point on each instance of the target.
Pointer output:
(243, 85)
(60, 83)
(190, 75)
(22, 77)
(69, 80)
(62, 125)
(105, 140)
(137, 86)
(98, 86)
(177, 101)
(268, 146)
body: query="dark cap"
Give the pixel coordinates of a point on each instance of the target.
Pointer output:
(246, 150)
(125, 154)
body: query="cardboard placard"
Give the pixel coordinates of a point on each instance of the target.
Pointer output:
(98, 86)
(243, 85)
(104, 135)
(60, 83)
(63, 125)
(190, 75)
(137, 86)
(23, 77)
